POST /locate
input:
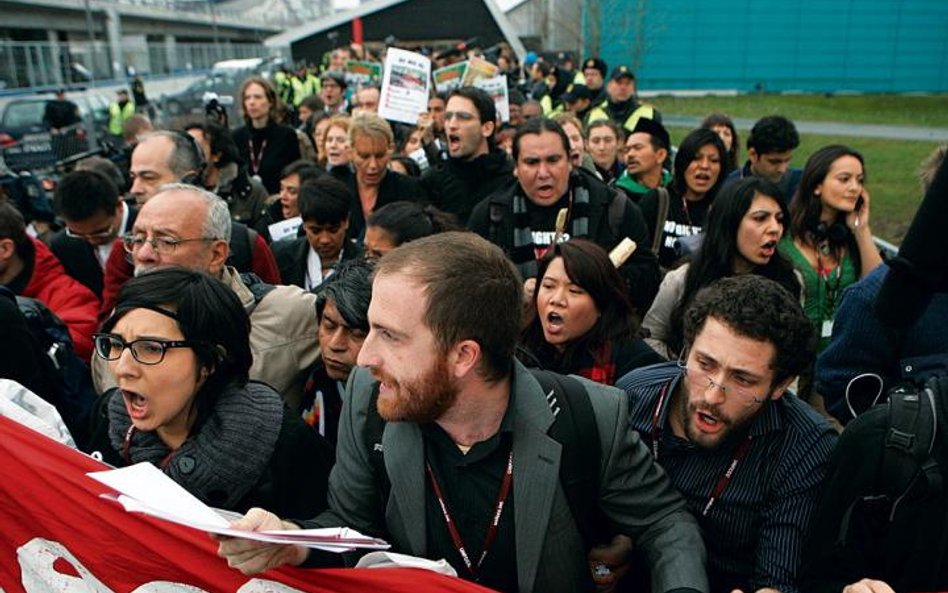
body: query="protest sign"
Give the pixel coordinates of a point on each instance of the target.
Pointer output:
(449, 78)
(496, 87)
(405, 86)
(362, 73)
(478, 68)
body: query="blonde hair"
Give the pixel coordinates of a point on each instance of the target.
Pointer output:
(371, 125)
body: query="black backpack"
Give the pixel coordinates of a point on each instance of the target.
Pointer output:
(574, 427)
(895, 514)
(71, 377)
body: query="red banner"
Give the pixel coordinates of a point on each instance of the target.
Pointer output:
(57, 534)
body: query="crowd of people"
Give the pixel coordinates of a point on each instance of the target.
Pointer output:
(558, 351)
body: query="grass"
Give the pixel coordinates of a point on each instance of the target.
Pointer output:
(897, 110)
(891, 165)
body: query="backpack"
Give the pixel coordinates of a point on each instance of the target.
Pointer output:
(891, 525)
(72, 378)
(241, 247)
(574, 427)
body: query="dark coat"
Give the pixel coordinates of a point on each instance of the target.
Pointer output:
(282, 148)
(395, 187)
(456, 185)
(291, 258)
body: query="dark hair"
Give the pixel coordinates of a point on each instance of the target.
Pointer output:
(719, 119)
(460, 272)
(105, 167)
(83, 194)
(715, 258)
(759, 309)
(589, 267)
(407, 221)
(483, 104)
(349, 287)
(773, 133)
(302, 167)
(538, 125)
(324, 200)
(219, 139)
(806, 206)
(313, 102)
(12, 224)
(411, 167)
(206, 311)
(688, 150)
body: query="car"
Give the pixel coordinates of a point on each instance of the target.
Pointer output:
(189, 103)
(27, 145)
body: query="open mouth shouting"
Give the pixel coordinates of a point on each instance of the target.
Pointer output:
(136, 405)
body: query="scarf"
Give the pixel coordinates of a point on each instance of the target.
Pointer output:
(224, 458)
(523, 253)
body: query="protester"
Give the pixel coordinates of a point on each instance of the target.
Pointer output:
(740, 237)
(226, 176)
(324, 204)
(646, 152)
(830, 240)
(448, 385)
(28, 268)
(265, 145)
(697, 178)
(584, 324)
(866, 355)
(521, 219)
(724, 127)
(186, 226)
(178, 346)
(401, 222)
(336, 142)
(476, 167)
(342, 306)
(577, 140)
(770, 147)
(603, 141)
(746, 453)
(366, 99)
(93, 218)
(371, 142)
(333, 91)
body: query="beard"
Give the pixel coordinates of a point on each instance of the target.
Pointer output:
(733, 430)
(420, 400)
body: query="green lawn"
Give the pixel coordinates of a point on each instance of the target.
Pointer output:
(891, 165)
(901, 110)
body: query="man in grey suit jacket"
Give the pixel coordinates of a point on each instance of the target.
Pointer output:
(464, 422)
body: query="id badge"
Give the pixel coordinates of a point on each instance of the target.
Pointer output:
(827, 329)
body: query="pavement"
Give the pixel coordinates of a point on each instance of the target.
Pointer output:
(831, 129)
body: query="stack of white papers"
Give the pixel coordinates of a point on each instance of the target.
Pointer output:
(143, 488)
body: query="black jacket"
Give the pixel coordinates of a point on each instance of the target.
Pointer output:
(282, 148)
(291, 258)
(395, 187)
(79, 257)
(640, 270)
(456, 185)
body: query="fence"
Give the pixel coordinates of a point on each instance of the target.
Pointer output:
(43, 64)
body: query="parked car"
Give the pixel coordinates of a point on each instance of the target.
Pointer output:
(189, 103)
(26, 143)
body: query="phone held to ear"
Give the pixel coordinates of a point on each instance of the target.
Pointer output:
(859, 204)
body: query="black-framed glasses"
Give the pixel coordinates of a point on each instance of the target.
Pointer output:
(146, 351)
(161, 245)
(702, 381)
(96, 235)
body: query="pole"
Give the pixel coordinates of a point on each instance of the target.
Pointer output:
(90, 29)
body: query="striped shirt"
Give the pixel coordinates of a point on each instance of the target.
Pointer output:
(754, 532)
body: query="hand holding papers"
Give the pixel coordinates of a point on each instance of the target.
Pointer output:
(405, 84)
(143, 488)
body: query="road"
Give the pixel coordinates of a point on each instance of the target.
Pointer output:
(832, 129)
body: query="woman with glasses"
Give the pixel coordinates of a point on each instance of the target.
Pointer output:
(584, 323)
(178, 346)
(740, 237)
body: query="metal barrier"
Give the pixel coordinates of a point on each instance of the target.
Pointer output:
(43, 152)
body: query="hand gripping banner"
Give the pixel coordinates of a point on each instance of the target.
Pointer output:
(58, 535)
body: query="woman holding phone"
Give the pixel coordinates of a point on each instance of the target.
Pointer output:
(830, 242)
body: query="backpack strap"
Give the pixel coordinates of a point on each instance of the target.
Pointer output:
(909, 441)
(575, 428)
(660, 215)
(617, 212)
(241, 247)
(257, 287)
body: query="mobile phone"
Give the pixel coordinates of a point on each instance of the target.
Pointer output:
(859, 202)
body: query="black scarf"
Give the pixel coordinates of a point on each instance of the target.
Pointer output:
(523, 253)
(224, 458)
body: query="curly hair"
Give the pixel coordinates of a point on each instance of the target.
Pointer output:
(759, 309)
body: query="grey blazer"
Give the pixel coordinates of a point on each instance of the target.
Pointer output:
(635, 494)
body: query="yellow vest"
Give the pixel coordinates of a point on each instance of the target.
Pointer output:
(118, 115)
(599, 112)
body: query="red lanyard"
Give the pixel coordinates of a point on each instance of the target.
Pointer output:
(256, 158)
(495, 517)
(725, 479)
